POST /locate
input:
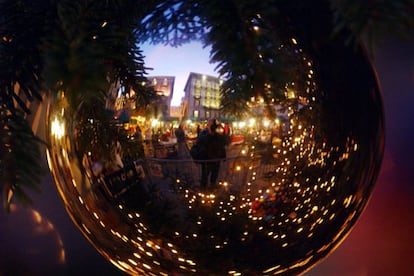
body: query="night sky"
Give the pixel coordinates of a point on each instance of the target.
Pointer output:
(381, 243)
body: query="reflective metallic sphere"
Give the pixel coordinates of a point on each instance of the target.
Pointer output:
(295, 175)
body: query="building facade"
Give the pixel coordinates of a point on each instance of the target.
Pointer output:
(164, 87)
(201, 97)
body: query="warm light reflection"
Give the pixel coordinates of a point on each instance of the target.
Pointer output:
(57, 128)
(285, 184)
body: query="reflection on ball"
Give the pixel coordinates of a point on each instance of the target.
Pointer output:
(297, 173)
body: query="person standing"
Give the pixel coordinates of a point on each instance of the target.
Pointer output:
(182, 150)
(214, 144)
(198, 130)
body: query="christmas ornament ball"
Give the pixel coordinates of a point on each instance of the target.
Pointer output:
(297, 172)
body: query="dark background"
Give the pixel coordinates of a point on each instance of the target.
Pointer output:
(381, 243)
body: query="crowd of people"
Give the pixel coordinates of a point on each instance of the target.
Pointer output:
(210, 143)
(202, 153)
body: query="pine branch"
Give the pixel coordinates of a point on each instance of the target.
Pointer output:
(20, 84)
(20, 158)
(373, 20)
(74, 46)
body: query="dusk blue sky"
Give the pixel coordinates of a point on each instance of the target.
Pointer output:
(178, 62)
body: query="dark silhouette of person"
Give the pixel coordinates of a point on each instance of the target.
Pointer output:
(214, 142)
(182, 150)
(198, 130)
